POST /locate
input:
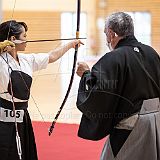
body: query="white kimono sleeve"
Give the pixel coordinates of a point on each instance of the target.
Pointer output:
(39, 61)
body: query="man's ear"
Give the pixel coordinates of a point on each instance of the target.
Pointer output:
(13, 38)
(113, 34)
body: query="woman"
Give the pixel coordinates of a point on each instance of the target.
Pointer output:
(15, 81)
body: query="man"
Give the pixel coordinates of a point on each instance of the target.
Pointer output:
(120, 95)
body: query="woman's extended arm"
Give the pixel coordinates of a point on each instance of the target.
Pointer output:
(58, 53)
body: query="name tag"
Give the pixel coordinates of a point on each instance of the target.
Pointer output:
(7, 115)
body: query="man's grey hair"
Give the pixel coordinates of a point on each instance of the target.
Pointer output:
(121, 23)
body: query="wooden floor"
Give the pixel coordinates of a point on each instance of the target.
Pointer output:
(49, 88)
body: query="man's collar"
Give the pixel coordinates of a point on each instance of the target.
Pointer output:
(127, 41)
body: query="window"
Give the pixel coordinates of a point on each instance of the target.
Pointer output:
(69, 23)
(68, 30)
(142, 26)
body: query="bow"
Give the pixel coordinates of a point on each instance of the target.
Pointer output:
(74, 65)
(73, 69)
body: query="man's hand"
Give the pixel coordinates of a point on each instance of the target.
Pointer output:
(6, 46)
(82, 67)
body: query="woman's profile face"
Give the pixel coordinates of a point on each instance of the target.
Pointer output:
(22, 37)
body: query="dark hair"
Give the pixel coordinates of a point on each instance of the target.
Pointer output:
(11, 28)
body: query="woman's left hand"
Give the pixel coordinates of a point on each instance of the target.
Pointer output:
(75, 42)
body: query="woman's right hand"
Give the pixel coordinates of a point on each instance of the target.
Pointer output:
(6, 46)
